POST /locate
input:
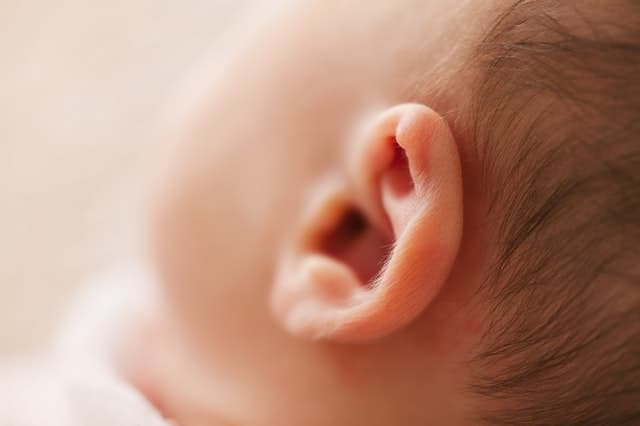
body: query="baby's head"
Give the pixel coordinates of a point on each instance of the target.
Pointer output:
(412, 212)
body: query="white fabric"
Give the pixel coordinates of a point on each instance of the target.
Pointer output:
(74, 384)
(42, 394)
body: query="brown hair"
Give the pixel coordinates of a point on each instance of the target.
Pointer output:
(557, 129)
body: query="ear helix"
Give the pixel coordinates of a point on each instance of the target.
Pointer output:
(376, 249)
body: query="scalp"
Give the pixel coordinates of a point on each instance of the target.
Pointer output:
(556, 114)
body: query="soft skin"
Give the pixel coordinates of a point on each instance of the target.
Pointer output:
(318, 226)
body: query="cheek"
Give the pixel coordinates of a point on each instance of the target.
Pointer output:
(176, 250)
(236, 186)
(214, 245)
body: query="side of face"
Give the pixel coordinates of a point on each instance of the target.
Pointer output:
(317, 234)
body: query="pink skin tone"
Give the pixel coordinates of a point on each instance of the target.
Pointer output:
(282, 308)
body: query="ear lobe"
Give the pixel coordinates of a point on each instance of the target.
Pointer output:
(373, 254)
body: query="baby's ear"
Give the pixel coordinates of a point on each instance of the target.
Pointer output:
(377, 248)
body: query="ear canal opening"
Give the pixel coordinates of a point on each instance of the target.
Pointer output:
(358, 245)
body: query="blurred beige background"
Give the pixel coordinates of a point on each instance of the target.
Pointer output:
(82, 84)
